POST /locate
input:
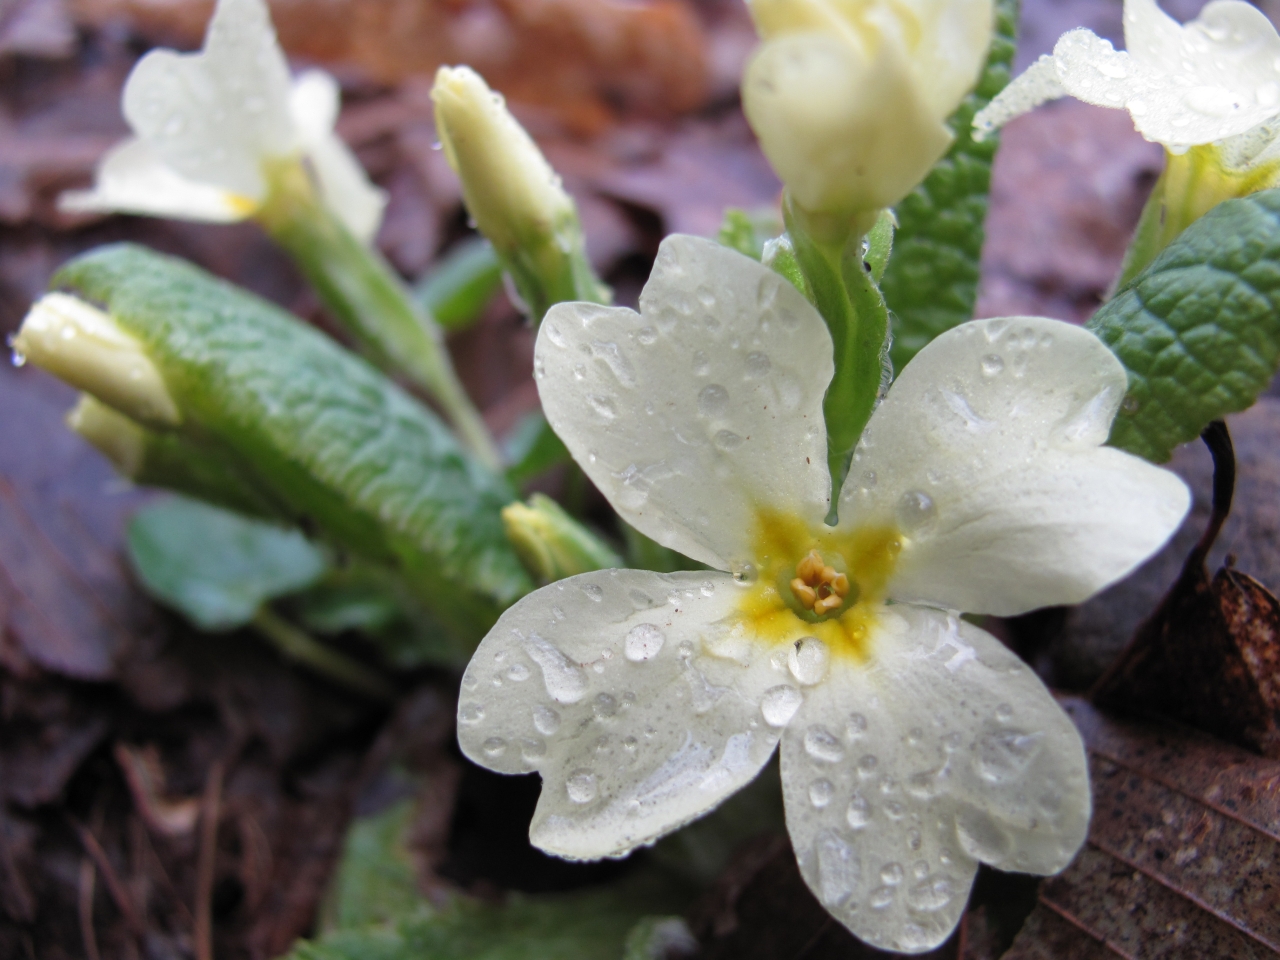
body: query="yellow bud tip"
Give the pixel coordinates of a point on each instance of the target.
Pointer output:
(85, 347)
(115, 436)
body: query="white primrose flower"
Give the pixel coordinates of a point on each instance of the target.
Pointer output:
(1211, 80)
(914, 745)
(210, 125)
(850, 98)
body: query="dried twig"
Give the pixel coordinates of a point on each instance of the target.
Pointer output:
(87, 935)
(206, 863)
(114, 885)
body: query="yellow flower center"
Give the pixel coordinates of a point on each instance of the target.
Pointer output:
(818, 583)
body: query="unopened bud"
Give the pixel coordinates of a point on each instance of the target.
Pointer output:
(84, 346)
(116, 437)
(551, 544)
(511, 191)
(849, 99)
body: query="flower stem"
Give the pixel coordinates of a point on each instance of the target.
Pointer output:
(1191, 185)
(300, 646)
(371, 301)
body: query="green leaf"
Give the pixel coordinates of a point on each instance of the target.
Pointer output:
(931, 283)
(341, 448)
(217, 568)
(1199, 330)
(533, 448)
(375, 882)
(461, 284)
(591, 925)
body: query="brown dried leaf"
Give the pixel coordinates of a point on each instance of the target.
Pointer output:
(582, 59)
(1182, 851)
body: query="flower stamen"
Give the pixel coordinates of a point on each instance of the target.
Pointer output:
(818, 586)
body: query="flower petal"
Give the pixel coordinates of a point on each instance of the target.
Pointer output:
(629, 693)
(702, 408)
(1037, 84)
(899, 774)
(987, 454)
(313, 103)
(214, 116)
(132, 179)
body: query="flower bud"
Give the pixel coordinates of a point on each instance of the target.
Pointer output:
(115, 436)
(550, 543)
(511, 191)
(85, 347)
(849, 98)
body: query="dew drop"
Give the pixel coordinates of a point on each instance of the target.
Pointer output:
(471, 713)
(727, 440)
(744, 573)
(808, 660)
(894, 809)
(859, 812)
(605, 706)
(838, 869)
(915, 511)
(533, 750)
(593, 592)
(647, 336)
(867, 765)
(823, 745)
(992, 364)
(914, 839)
(564, 680)
(881, 897)
(546, 720)
(757, 365)
(630, 744)
(713, 401)
(856, 726)
(706, 297)
(643, 642)
(891, 874)
(1004, 755)
(708, 588)
(930, 895)
(603, 406)
(821, 792)
(701, 364)
(980, 837)
(517, 672)
(494, 747)
(1004, 712)
(923, 786)
(581, 786)
(779, 704)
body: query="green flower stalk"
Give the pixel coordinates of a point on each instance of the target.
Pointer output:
(513, 195)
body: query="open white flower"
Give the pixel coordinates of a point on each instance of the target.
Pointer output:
(850, 97)
(211, 125)
(913, 743)
(1210, 80)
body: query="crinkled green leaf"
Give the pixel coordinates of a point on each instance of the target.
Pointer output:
(375, 884)
(748, 232)
(931, 283)
(461, 284)
(215, 567)
(1199, 330)
(342, 449)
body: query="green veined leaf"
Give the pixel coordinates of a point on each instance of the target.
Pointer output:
(931, 283)
(340, 447)
(215, 567)
(1199, 330)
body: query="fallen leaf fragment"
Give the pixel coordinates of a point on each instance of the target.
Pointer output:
(1183, 855)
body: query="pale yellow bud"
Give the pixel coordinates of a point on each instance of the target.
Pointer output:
(80, 344)
(510, 190)
(849, 98)
(117, 437)
(550, 543)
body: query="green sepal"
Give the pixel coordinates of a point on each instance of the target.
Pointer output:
(841, 285)
(461, 284)
(342, 450)
(1198, 331)
(931, 283)
(553, 268)
(780, 256)
(216, 567)
(880, 244)
(748, 232)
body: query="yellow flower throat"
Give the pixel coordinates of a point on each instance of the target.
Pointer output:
(818, 583)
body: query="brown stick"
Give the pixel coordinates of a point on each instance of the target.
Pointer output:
(114, 886)
(87, 936)
(206, 863)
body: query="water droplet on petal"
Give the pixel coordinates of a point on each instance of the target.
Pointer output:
(643, 642)
(1004, 755)
(546, 720)
(494, 747)
(647, 336)
(856, 726)
(821, 792)
(881, 897)
(713, 401)
(992, 364)
(517, 672)
(808, 660)
(915, 511)
(779, 704)
(727, 440)
(891, 874)
(533, 750)
(930, 895)
(757, 365)
(605, 706)
(564, 680)
(839, 869)
(823, 745)
(581, 786)
(859, 812)
(981, 837)
(471, 713)
(867, 764)
(701, 364)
